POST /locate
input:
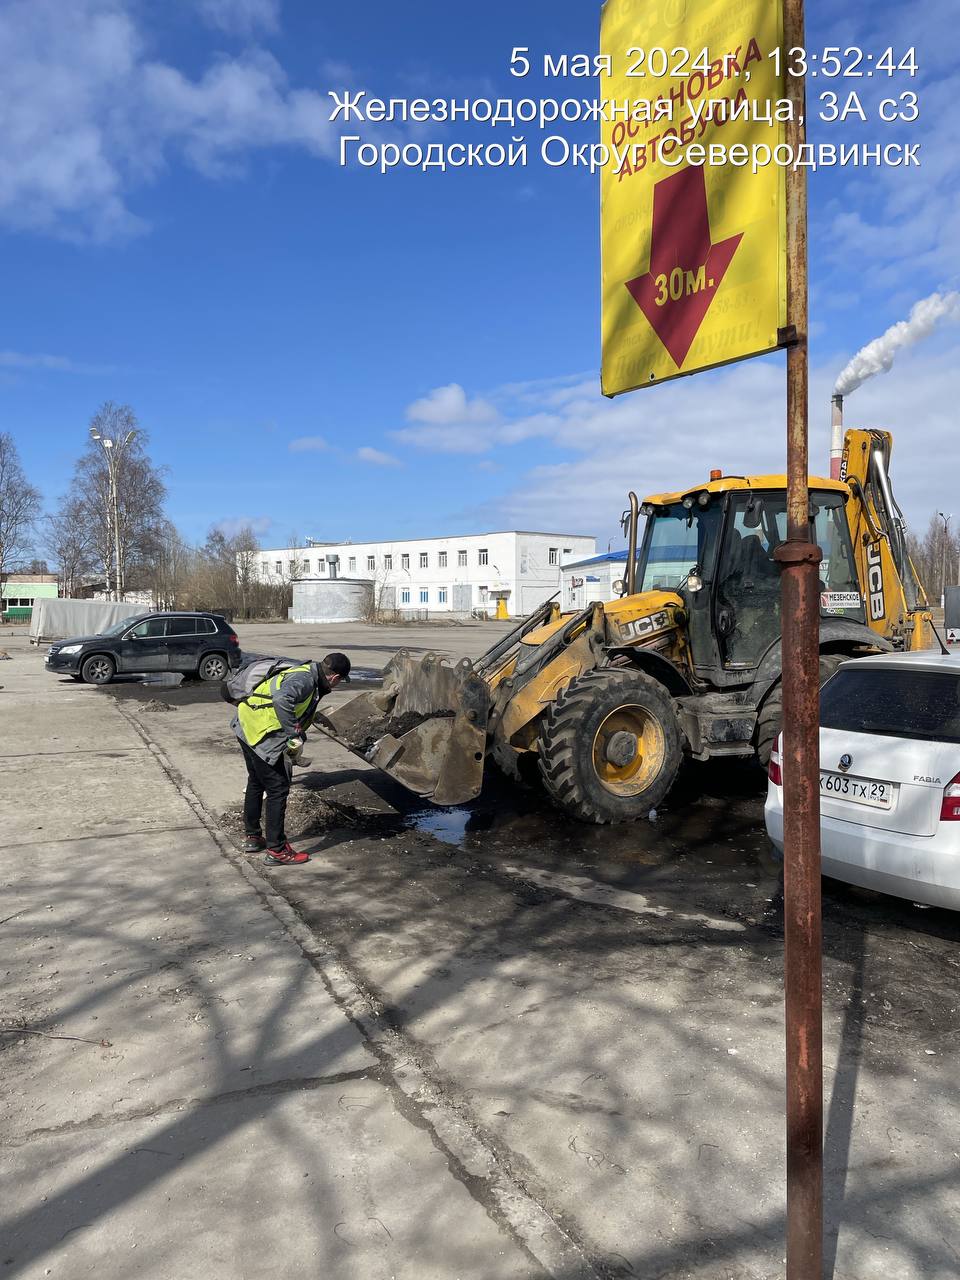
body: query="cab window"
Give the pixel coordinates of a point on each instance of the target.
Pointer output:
(679, 540)
(748, 584)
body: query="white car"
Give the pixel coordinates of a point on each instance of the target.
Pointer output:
(889, 777)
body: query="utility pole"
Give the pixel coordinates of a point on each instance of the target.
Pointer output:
(113, 450)
(799, 557)
(943, 558)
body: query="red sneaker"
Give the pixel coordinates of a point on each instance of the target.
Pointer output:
(286, 856)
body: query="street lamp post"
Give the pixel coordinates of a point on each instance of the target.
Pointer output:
(943, 559)
(113, 449)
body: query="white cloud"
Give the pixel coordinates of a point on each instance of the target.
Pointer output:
(377, 457)
(308, 444)
(86, 116)
(241, 16)
(669, 437)
(54, 364)
(447, 420)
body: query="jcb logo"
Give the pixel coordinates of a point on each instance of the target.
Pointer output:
(645, 626)
(878, 607)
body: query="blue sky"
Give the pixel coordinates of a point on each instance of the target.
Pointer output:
(343, 354)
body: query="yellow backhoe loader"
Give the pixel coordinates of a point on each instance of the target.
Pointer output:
(607, 701)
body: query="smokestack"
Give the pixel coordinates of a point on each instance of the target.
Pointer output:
(836, 435)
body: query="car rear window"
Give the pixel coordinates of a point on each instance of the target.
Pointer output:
(901, 703)
(188, 626)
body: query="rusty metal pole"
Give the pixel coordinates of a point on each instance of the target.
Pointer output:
(799, 558)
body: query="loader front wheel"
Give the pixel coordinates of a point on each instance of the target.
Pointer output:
(609, 746)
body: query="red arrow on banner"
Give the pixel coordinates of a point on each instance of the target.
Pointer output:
(685, 267)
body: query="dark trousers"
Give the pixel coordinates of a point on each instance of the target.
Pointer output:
(272, 781)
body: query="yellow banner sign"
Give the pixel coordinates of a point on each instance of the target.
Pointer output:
(693, 237)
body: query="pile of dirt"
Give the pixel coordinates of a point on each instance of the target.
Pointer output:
(308, 814)
(154, 704)
(368, 732)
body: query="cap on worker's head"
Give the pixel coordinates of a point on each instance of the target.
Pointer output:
(338, 664)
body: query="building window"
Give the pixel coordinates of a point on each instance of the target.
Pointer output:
(462, 559)
(279, 566)
(371, 562)
(352, 562)
(388, 562)
(405, 595)
(321, 566)
(424, 597)
(442, 559)
(424, 559)
(483, 556)
(567, 552)
(442, 595)
(265, 568)
(553, 556)
(405, 561)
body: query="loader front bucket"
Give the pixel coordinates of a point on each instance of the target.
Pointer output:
(427, 726)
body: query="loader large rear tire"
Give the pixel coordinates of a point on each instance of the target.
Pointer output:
(609, 747)
(770, 719)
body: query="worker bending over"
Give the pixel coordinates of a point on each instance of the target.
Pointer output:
(271, 725)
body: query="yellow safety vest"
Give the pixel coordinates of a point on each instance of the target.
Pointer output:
(256, 714)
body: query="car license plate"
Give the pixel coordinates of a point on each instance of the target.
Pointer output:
(868, 791)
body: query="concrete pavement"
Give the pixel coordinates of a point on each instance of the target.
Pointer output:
(186, 1097)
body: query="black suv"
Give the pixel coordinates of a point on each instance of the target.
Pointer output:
(196, 644)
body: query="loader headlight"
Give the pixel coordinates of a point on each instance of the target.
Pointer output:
(687, 503)
(704, 499)
(648, 509)
(619, 586)
(694, 582)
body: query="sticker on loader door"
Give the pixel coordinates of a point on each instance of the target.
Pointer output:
(835, 601)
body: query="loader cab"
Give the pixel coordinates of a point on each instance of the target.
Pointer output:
(715, 547)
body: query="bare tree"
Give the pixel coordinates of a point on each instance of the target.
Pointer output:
(936, 557)
(225, 575)
(67, 538)
(168, 565)
(19, 506)
(246, 551)
(297, 563)
(121, 493)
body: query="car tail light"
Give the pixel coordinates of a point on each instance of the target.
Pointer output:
(950, 809)
(774, 768)
(233, 638)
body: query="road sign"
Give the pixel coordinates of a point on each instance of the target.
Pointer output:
(693, 255)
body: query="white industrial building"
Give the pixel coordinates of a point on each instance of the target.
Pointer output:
(595, 578)
(508, 572)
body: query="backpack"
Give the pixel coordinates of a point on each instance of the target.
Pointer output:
(240, 684)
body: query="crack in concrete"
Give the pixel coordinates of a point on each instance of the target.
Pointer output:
(107, 835)
(270, 1088)
(473, 1157)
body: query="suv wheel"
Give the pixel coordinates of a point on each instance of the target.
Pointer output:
(99, 669)
(213, 667)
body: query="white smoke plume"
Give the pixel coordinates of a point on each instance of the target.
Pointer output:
(877, 356)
